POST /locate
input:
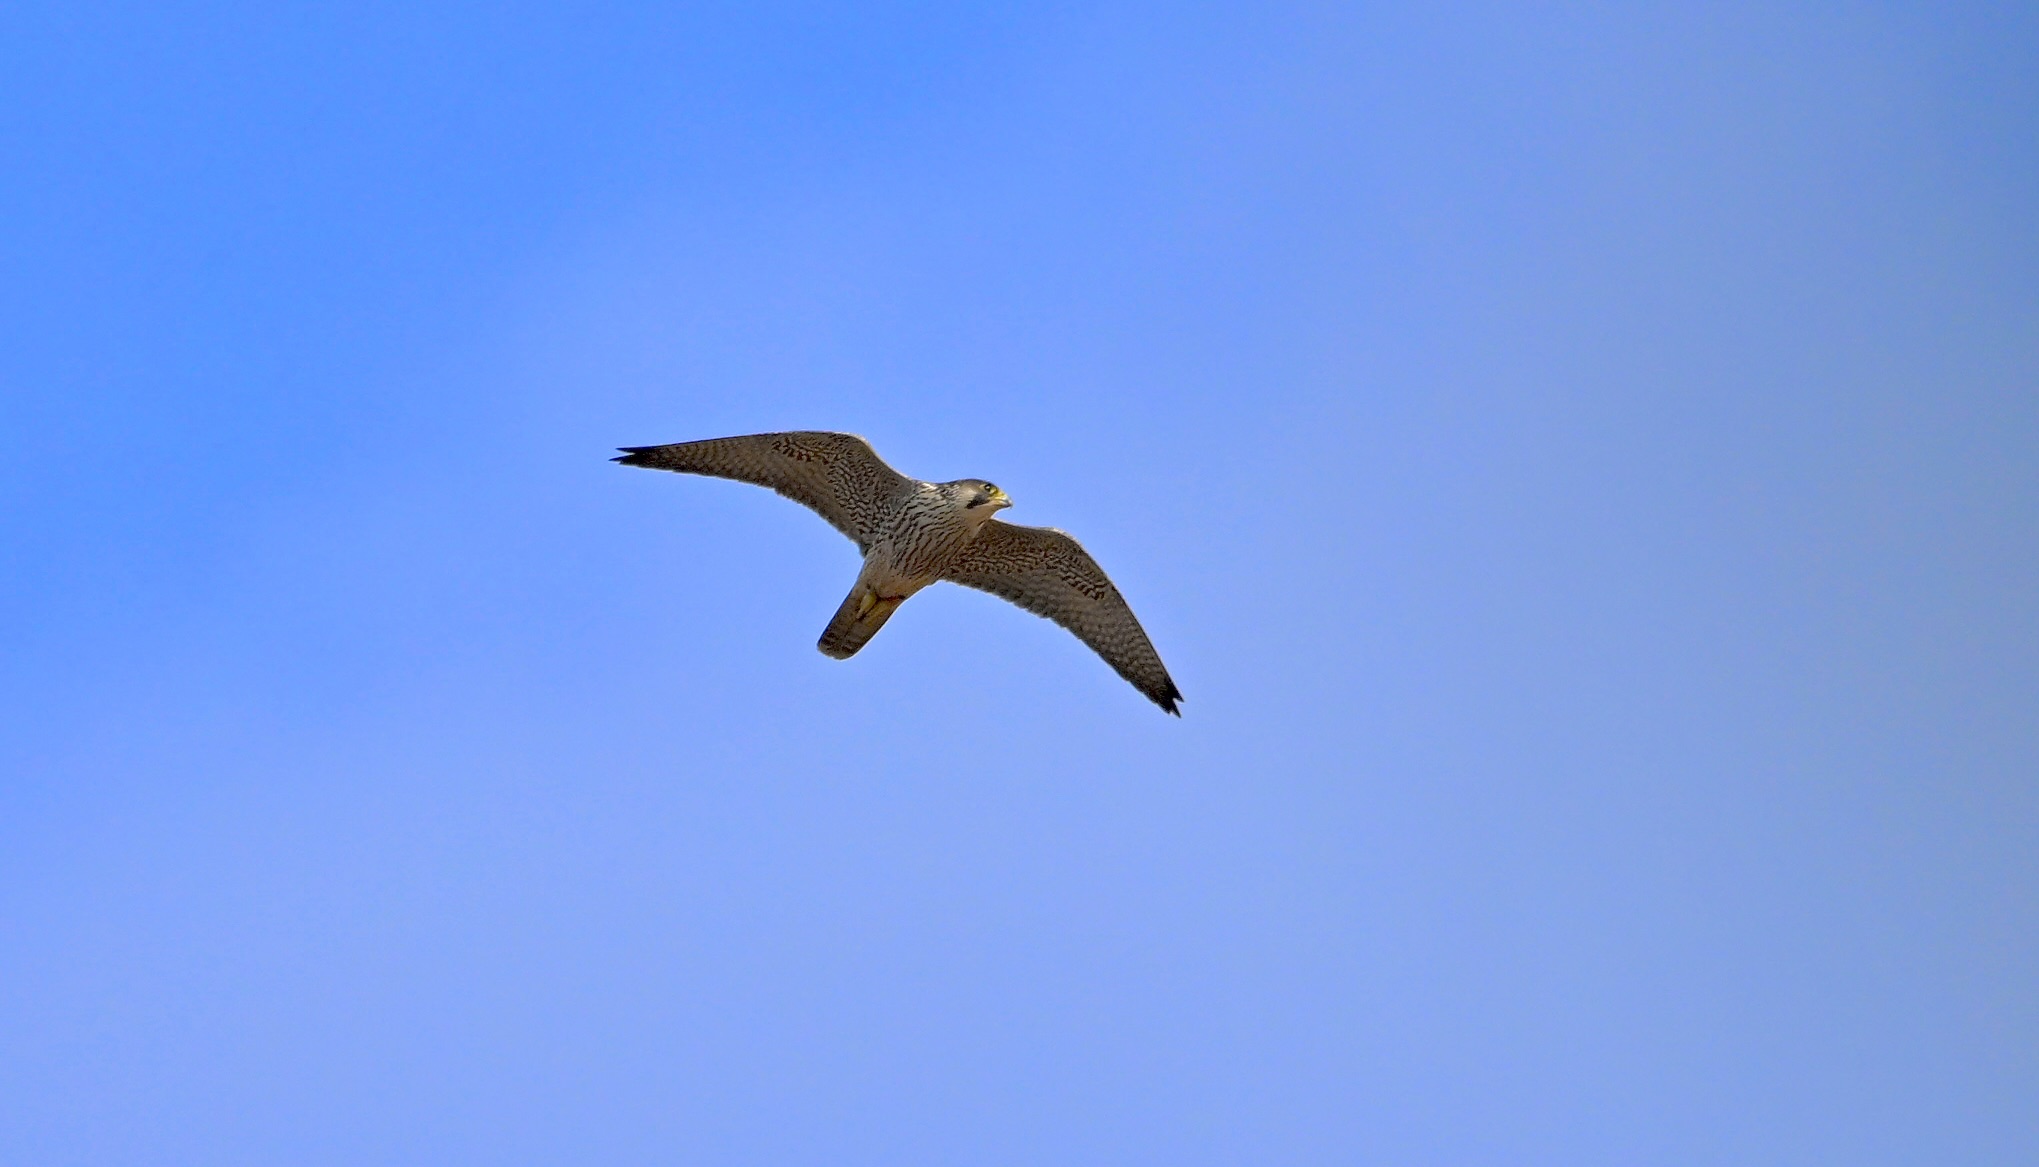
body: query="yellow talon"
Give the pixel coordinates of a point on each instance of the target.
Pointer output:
(865, 603)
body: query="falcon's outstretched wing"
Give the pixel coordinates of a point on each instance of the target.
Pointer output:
(1049, 574)
(838, 475)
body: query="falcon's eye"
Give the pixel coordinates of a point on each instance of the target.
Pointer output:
(990, 489)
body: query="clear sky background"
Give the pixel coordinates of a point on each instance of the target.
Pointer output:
(1581, 463)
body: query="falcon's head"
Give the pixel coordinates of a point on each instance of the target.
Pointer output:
(977, 494)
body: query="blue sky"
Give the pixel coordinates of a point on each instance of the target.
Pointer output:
(1581, 464)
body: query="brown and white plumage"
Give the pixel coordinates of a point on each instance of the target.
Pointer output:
(1050, 574)
(838, 476)
(914, 533)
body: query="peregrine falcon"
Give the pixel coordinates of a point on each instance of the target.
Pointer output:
(913, 533)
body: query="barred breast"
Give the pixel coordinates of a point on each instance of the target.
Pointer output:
(922, 536)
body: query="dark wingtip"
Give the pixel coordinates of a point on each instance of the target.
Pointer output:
(632, 455)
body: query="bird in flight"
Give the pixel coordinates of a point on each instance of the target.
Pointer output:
(914, 533)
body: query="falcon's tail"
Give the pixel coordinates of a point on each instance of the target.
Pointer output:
(862, 614)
